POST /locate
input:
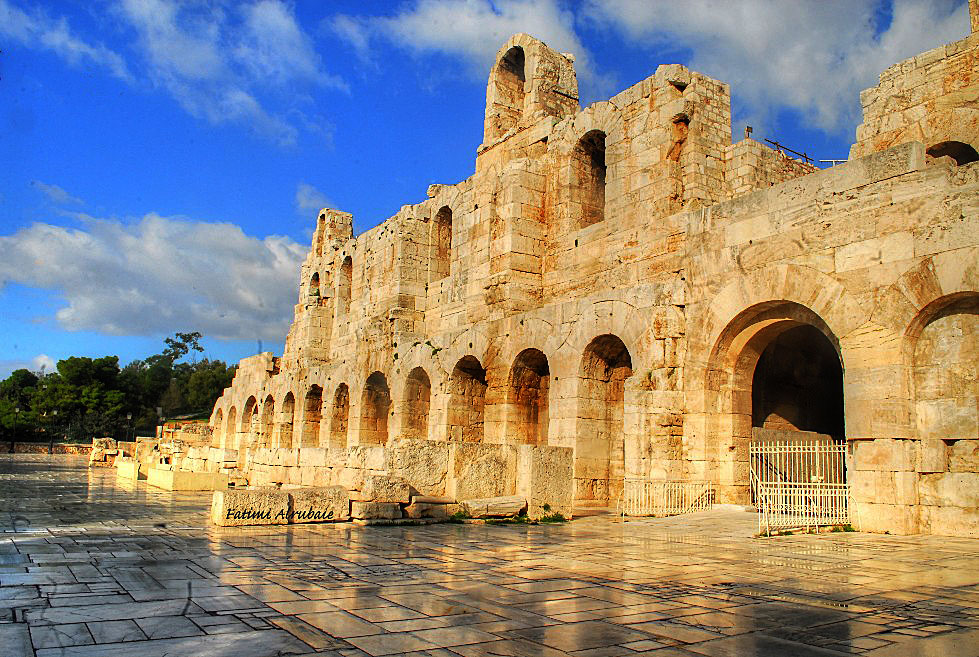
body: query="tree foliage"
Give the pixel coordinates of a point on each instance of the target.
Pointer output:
(92, 397)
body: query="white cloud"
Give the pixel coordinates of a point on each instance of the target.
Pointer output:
(159, 275)
(42, 363)
(56, 194)
(310, 200)
(230, 65)
(473, 30)
(813, 56)
(35, 29)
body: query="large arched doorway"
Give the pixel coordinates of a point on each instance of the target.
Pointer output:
(467, 398)
(230, 429)
(797, 384)
(599, 460)
(312, 413)
(506, 105)
(774, 374)
(418, 392)
(339, 416)
(217, 429)
(527, 398)
(375, 405)
(249, 424)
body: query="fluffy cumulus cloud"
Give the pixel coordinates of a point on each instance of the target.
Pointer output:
(229, 63)
(473, 30)
(248, 63)
(159, 274)
(38, 29)
(813, 56)
(310, 200)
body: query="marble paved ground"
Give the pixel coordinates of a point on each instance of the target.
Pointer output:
(92, 567)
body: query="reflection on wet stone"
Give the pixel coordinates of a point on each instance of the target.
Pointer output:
(99, 577)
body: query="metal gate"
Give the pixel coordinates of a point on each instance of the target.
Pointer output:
(655, 497)
(799, 484)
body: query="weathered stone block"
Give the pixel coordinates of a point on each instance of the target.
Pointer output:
(494, 507)
(545, 476)
(234, 508)
(375, 510)
(423, 510)
(170, 479)
(380, 488)
(326, 504)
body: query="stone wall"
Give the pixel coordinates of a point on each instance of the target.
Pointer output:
(607, 281)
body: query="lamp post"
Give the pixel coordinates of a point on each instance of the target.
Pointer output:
(129, 417)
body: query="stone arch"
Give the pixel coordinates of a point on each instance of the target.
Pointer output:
(313, 290)
(286, 418)
(730, 397)
(588, 175)
(217, 427)
(228, 435)
(415, 405)
(375, 407)
(268, 425)
(320, 233)
(506, 96)
(340, 416)
(249, 417)
(956, 152)
(467, 400)
(312, 414)
(527, 396)
(441, 241)
(943, 349)
(344, 288)
(599, 457)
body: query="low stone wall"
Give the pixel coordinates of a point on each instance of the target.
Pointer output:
(59, 448)
(911, 486)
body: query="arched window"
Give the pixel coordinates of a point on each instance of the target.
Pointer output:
(588, 177)
(286, 415)
(314, 288)
(339, 416)
(958, 152)
(265, 440)
(442, 243)
(527, 398)
(508, 95)
(466, 401)
(418, 391)
(376, 403)
(312, 412)
(344, 286)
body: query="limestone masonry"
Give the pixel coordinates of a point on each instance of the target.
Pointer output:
(619, 292)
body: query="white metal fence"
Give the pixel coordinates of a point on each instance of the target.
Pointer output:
(799, 484)
(647, 497)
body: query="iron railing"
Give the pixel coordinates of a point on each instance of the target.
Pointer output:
(651, 497)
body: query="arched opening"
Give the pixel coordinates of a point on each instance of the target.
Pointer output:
(527, 397)
(945, 369)
(588, 177)
(217, 428)
(797, 384)
(286, 416)
(312, 413)
(267, 416)
(230, 429)
(599, 460)
(376, 404)
(442, 243)
(313, 293)
(344, 286)
(467, 397)
(339, 416)
(508, 97)
(320, 230)
(418, 391)
(792, 357)
(951, 152)
(249, 423)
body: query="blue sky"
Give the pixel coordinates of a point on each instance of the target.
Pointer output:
(161, 162)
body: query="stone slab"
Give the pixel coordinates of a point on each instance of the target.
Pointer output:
(182, 480)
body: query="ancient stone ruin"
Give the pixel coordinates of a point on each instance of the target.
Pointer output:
(619, 292)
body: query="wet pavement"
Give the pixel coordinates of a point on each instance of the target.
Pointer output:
(92, 566)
